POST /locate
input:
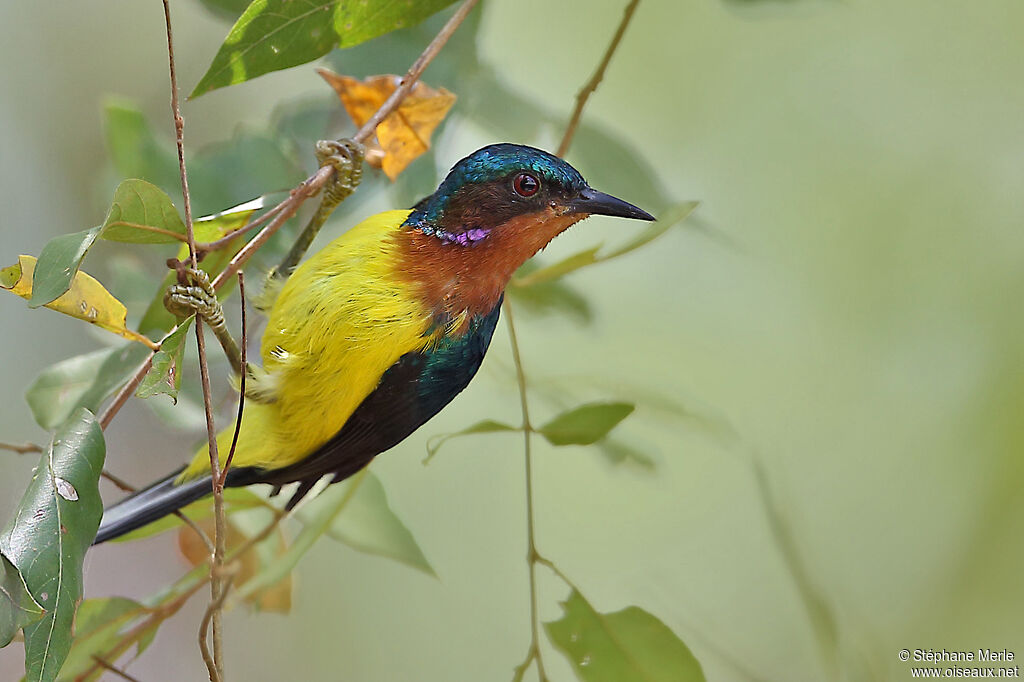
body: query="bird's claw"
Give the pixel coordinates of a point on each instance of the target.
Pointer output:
(346, 157)
(195, 295)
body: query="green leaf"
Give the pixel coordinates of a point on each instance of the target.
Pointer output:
(317, 522)
(97, 628)
(630, 644)
(82, 381)
(668, 219)
(55, 524)
(369, 525)
(135, 151)
(617, 452)
(226, 9)
(561, 268)
(484, 426)
(58, 264)
(165, 374)
(551, 298)
(277, 34)
(141, 213)
(585, 424)
(17, 607)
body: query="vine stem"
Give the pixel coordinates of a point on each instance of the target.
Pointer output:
(215, 664)
(533, 557)
(533, 654)
(591, 85)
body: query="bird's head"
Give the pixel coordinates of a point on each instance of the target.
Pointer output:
(496, 208)
(505, 184)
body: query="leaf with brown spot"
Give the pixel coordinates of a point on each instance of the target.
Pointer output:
(86, 299)
(403, 135)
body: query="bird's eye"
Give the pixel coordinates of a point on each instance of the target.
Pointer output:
(526, 185)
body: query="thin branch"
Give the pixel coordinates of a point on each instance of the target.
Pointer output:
(531, 552)
(118, 481)
(21, 449)
(230, 236)
(595, 80)
(414, 72)
(216, 606)
(126, 392)
(242, 371)
(117, 671)
(216, 670)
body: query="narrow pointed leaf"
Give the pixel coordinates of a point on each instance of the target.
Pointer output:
(165, 374)
(17, 607)
(87, 299)
(484, 426)
(48, 537)
(630, 644)
(82, 381)
(277, 34)
(141, 213)
(585, 424)
(98, 625)
(57, 266)
(669, 218)
(318, 518)
(369, 525)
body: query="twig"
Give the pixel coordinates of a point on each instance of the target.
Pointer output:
(216, 606)
(414, 72)
(216, 670)
(230, 236)
(126, 392)
(533, 654)
(117, 671)
(242, 371)
(118, 481)
(533, 558)
(595, 80)
(21, 449)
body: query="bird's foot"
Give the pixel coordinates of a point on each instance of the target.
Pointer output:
(195, 295)
(346, 157)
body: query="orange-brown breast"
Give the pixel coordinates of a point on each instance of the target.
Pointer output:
(454, 278)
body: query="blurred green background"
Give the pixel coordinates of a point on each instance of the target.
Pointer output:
(846, 298)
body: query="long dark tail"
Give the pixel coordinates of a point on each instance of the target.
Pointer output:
(149, 504)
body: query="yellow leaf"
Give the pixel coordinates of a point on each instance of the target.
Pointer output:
(405, 133)
(278, 598)
(87, 299)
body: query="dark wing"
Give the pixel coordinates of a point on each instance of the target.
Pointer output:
(412, 391)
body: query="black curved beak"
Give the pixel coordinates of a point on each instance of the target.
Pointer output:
(598, 203)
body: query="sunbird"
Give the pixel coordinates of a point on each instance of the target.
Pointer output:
(373, 335)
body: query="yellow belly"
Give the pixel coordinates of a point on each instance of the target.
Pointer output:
(339, 323)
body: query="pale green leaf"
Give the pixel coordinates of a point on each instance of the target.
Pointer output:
(585, 424)
(369, 525)
(58, 264)
(630, 644)
(165, 374)
(141, 213)
(82, 381)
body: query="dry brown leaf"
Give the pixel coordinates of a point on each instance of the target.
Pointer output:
(403, 135)
(277, 599)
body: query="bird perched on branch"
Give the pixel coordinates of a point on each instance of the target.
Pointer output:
(372, 336)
